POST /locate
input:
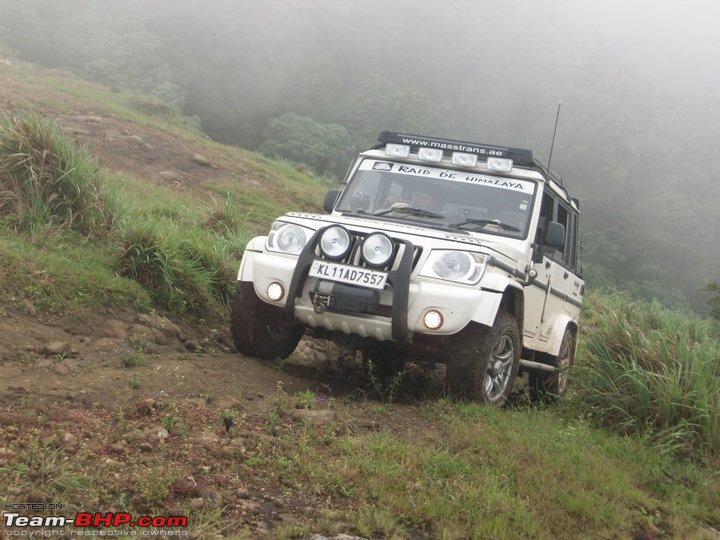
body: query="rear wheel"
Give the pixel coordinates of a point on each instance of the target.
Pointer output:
(546, 385)
(484, 361)
(258, 328)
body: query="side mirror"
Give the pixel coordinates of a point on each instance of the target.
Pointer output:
(555, 235)
(331, 199)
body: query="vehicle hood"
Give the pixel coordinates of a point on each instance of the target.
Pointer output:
(501, 247)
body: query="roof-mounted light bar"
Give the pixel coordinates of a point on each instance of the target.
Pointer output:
(448, 146)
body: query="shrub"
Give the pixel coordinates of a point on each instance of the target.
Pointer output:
(45, 181)
(652, 371)
(153, 257)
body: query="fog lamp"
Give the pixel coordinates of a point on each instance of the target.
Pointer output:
(275, 291)
(433, 319)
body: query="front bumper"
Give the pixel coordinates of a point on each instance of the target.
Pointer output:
(402, 304)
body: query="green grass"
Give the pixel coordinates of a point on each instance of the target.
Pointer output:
(653, 372)
(64, 277)
(461, 470)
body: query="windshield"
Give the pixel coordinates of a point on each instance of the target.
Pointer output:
(440, 197)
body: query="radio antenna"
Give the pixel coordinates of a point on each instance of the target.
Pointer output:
(552, 145)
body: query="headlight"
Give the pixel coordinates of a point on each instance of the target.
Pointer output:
(287, 238)
(460, 266)
(335, 242)
(377, 249)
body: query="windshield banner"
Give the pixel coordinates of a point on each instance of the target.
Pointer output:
(451, 175)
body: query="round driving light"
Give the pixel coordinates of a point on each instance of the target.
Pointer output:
(335, 242)
(433, 319)
(291, 239)
(453, 265)
(377, 249)
(275, 291)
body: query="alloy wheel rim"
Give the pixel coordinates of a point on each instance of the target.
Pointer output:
(499, 368)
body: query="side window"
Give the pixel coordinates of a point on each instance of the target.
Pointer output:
(546, 214)
(553, 209)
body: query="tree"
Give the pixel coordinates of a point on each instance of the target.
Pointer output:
(714, 300)
(326, 148)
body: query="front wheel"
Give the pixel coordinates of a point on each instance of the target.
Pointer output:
(258, 328)
(484, 361)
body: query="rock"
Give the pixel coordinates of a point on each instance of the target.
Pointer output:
(5, 455)
(159, 337)
(37, 496)
(165, 325)
(191, 345)
(185, 488)
(118, 447)
(69, 439)
(66, 366)
(316, 418)
(146, 407)
(170, 176)
(56, 348)
(146, 447)
(197, 503)
(162, 434)
(105, 344)
(114, 329)
(28, 308)
(201, 160)
(337, 537)
(210, 494)
(138, 332)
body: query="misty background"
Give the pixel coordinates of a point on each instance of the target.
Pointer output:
(315, 81)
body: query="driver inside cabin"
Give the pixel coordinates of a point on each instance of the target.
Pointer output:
(416, 198)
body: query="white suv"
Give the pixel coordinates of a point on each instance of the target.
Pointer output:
(436, 249)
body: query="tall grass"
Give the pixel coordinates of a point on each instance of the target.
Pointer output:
(185, 267)
(648, 370)
(45, 182)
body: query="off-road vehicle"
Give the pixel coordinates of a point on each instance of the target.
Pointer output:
(436, 249)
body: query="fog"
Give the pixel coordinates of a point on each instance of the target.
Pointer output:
(639, 125)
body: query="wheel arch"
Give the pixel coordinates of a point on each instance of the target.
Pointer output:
(513, 302)
(561, 324)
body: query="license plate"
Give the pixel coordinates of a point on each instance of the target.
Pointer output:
(344, 273)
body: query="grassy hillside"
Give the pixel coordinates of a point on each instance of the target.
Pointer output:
(106, 211)
(633, 450)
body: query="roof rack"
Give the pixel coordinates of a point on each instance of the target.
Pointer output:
(519, 156)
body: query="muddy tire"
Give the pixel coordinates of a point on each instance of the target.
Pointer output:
(258, 328)
(547, 386)
(484, 361)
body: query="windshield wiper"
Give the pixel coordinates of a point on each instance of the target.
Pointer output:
(483, 222)
(417, 212)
